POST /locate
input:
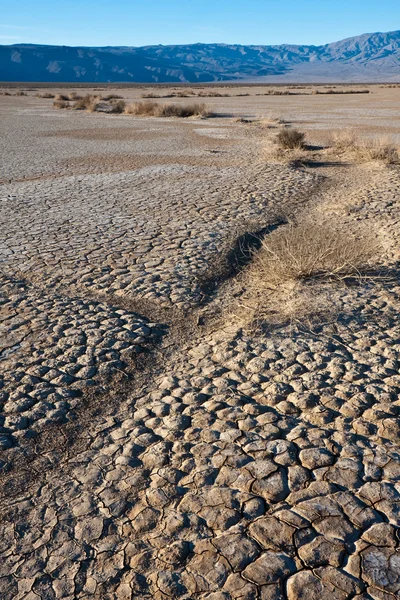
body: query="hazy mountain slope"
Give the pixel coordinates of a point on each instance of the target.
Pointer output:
(368, 57)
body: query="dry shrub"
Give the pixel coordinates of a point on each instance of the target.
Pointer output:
(73, 96)
(61, 97)
(376, 150)
(152, 109)
(298, 157)
(290, 139)
(60, 104)
(20, 93)
(111, 97)
(196, 109)
(311, 250)
(291, 276)
(45, 95)
(331, 91)
(270, 122)
(88, 102)
(118, 106)
(142, 109)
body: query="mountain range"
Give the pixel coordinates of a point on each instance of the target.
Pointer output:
(371, 58)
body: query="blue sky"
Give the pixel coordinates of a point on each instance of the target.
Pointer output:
(141, 22)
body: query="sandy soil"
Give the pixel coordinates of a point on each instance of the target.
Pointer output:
(152, 446)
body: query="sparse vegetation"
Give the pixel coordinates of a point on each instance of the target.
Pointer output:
(111, 97)
(298, 157)
(335, 91)
(291, 139)
(142, 109)
(289, 275)
(45, 95)
(73, 96)
(153, 109)
(60, 104)
(370, 150)
(312, 250)
(61, 97)
(184, 110)
(88, 102)
(118, 106)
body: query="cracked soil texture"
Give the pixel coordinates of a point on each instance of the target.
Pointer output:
(147, 454)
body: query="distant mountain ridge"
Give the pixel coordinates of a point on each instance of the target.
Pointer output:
(364, 58)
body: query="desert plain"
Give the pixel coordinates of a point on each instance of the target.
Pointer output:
(169, 428)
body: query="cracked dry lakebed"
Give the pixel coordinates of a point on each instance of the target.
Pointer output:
(155, 441)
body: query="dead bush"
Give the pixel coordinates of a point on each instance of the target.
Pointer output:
(142, 109)
(111, 97)
(88, 102)
(153, 109)
(196, 109)
(73, 96)
(290, 139)
(372, 150)
(60, 104)
(291, 275)
(45, 95)
(299, 157)
(61, 97)
(118, 106)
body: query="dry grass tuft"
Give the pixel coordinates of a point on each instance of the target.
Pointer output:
(45, 95)
(142, 109)
(293, 158)
(197, 109)
(111, 97)
(88, 102)
(309, 250)
(60, 104)
(376, 150)
(290, 277)
(61, 97)
(118, 106)
(153, 109)
(73, 96)
(291, 139)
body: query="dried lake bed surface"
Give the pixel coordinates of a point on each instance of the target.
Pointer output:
(153, 445)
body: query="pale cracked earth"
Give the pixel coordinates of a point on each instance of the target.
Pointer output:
(149, 451)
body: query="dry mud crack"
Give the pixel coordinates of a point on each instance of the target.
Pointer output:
(223, 464)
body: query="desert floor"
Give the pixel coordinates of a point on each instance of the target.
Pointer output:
(154, 444)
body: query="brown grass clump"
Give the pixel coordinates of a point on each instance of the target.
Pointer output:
(61, 97)
(290, 277)
(153, 109)
(60, 104)
(87, 102)
(142, 109)
(376, 150)
(196, 109)
(45, 95)
(73, 96)
(310, 250)
(118, 106)
(291, 139)
(111, 97)
(299, 157)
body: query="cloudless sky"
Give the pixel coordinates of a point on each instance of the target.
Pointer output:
(142, 22)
